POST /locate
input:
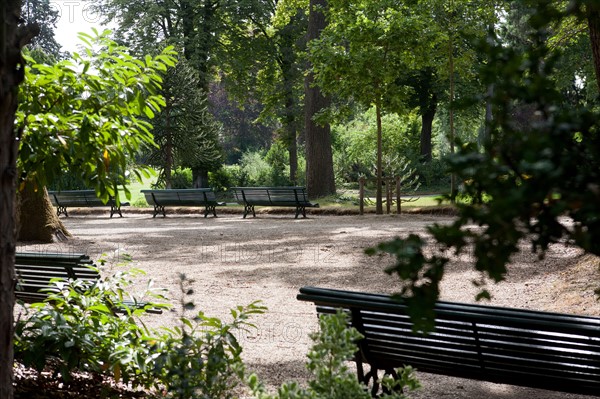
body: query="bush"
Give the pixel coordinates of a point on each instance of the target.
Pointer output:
(256, 171)
(201, 358)
(434, 174)
(334, 345)
(78, 328)
(182, 178)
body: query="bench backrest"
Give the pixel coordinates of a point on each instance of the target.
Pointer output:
(181, 197)
(275, 196)
(75, 198)
(519, 347)
(35, 270)
(79, 198)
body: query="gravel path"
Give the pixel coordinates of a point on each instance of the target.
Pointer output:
(235, 261)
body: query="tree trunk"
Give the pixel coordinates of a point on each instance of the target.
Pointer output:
(37, 218)
(427, 117)
(200, 178)
(8, 173)
(320, 179)
(453, 183)
(12, 39)
(379, 200)
(168, 146)
(593, 17)
(293, 153)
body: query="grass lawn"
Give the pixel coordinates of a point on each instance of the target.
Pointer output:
(344, 200)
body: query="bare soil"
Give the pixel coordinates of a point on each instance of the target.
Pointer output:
(234, 261)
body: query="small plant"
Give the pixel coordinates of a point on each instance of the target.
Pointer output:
(201, 358)
(87, 326)
(334, 347)
(90, 326)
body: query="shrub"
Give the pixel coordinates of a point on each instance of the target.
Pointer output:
(78, 327)
(182, 178)
(334, 345)
(201, 358)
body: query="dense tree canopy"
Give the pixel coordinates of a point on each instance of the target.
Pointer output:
(536, 183)
(42, 13)
(86, 114)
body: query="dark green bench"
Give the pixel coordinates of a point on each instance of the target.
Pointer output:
(81, 198)
(36, 270)
(553, 351)
(273, 196)
(183, 197)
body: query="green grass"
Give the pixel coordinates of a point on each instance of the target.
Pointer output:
(344, 199)
(350, 199)
(137, 198)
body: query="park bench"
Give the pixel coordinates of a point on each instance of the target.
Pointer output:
(553, 351)
(36, 272)
(80, 199)
(273, 196)
(182, 197)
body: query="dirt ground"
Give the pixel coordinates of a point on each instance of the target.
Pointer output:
(234, 261)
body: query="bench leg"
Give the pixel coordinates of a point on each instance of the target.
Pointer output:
(210, 208)
(159, 209)
(300, 209)
(115, 209)
(372, 380)
(248, 209)
(61, 210)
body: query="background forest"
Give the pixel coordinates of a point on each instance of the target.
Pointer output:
(497, 97)
(401, 83)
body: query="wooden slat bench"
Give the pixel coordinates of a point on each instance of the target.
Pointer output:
(273, 196)
(36, 270)
(553, 351)
(81, 198)
(183, 197)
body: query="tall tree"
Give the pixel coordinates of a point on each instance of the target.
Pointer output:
(363, 53)
(195, 27)
(241, 131)
(184, 130)
(320, 179)
(13, 36)
(264, 61)
(424, 96)
(84, 115)
(45, 16)
(536, 183)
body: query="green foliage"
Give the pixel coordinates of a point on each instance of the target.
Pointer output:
(42, 13)
(79, 329)
(256, 170)
(334, 346)
(67, 181)
(88, 326)
(185, 131)
(434, 174)
(85, 114)
(201, 358)
(182, 178)
(278, 159)
(536, 183)
(356, 145)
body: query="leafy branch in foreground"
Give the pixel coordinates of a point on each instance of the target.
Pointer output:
(536, 182)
